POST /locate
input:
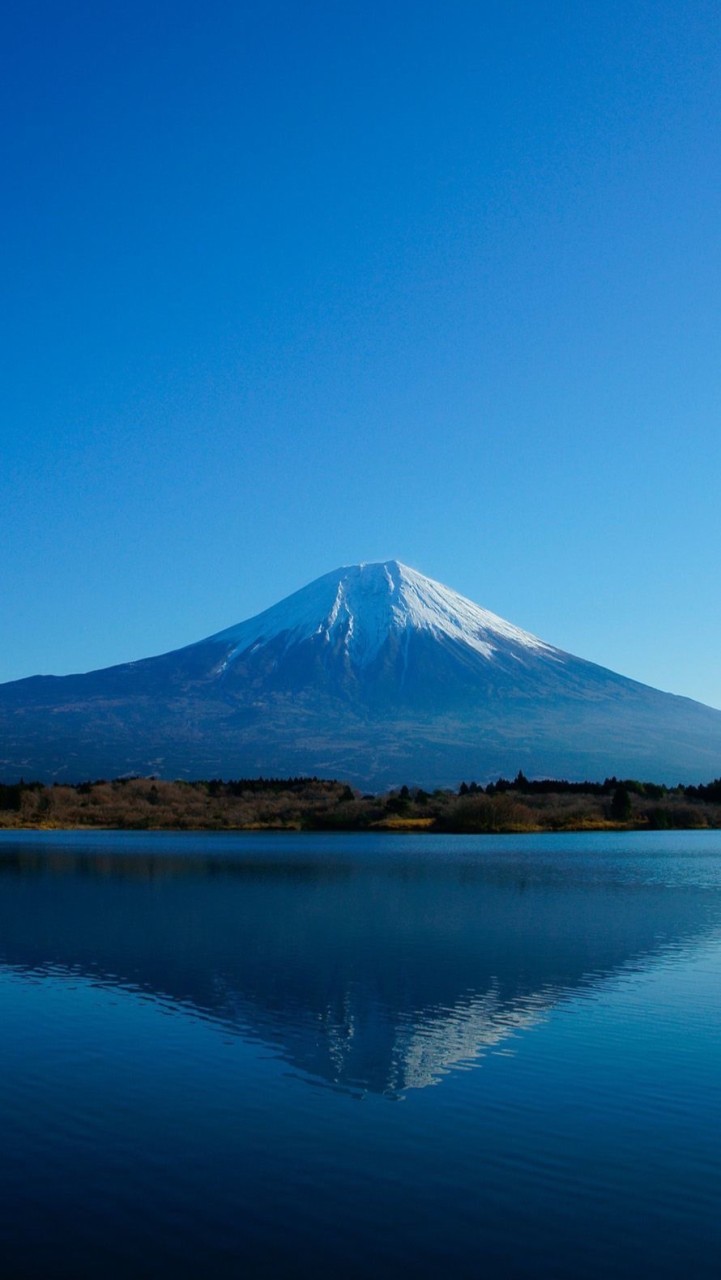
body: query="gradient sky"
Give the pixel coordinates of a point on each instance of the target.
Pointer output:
(289, 285)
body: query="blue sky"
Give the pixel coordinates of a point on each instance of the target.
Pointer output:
(292, 285)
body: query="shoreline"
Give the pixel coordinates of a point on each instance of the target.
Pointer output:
(391, 828)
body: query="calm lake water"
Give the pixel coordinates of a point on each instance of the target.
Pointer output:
(358, 1056)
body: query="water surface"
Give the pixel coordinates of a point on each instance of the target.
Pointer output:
(362, 1055)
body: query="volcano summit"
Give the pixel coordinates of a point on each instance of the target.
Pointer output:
(372, 673)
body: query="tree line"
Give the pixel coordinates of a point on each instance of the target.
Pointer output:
(316, 804)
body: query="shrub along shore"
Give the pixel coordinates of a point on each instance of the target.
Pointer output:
(316, 804)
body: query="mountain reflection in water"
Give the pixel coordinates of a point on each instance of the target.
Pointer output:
(370, 967)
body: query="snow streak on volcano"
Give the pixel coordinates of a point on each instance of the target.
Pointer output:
(361, 607)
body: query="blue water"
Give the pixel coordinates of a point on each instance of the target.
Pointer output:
(368, 1056)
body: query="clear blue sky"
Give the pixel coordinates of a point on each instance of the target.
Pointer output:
(289, 285)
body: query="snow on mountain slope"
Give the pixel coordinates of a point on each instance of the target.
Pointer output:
(360, 606)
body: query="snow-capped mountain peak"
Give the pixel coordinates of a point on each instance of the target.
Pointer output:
(359, 607)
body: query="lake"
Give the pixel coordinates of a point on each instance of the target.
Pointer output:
(363, 1056)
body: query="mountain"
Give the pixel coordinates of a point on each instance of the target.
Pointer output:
(372, 673)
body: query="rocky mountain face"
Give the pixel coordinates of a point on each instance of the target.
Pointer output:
(372, 673)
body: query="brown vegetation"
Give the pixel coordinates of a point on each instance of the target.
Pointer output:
(320, 805)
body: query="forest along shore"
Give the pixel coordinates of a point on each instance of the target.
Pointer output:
(315, 804)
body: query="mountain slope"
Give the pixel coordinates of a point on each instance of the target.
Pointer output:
(372, 673)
